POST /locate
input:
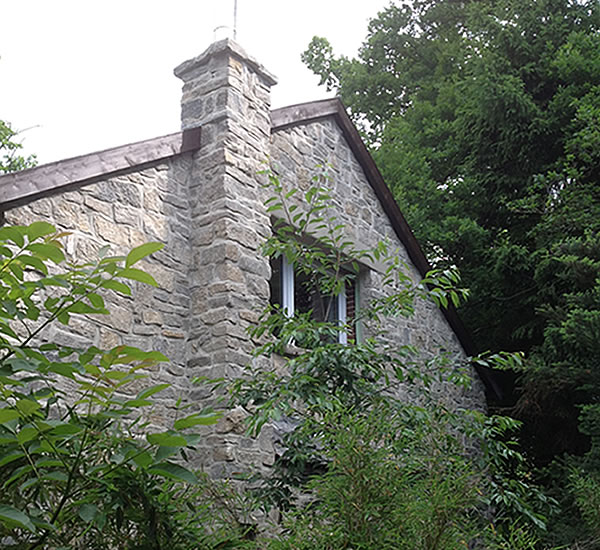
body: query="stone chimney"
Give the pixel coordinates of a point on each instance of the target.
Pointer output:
(222, 82)
(227, 94)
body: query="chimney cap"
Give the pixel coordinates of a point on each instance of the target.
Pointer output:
(229, 46)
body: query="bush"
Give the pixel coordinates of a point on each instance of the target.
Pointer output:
(79, 465)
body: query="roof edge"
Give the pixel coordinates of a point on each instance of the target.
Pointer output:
(35, 183)
(305, 113)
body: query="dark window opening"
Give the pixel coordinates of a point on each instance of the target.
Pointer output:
(296, 291)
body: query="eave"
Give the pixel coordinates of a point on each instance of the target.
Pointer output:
(28, 185)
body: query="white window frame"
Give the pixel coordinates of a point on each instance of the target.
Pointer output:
(342, 314)
(287, 287)
(287, 298)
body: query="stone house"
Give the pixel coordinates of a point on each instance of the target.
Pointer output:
(199, 191)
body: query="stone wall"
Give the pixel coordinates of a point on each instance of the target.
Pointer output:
(300, 152)
(124, 212)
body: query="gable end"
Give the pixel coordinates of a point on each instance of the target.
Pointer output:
(306, 113)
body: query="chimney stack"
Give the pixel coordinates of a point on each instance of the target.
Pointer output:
(226, 94)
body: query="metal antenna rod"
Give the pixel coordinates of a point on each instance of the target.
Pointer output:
(235, 19)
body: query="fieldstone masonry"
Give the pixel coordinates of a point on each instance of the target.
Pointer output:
(295, 152)
(207, 207)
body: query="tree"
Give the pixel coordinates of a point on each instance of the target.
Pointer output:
(10, 160)
(484, 118)
(382, 458)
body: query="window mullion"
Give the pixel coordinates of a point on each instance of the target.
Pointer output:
(341, 314)
(287, 287)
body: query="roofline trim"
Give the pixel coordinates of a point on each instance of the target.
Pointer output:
(28, 185)
(305, 113)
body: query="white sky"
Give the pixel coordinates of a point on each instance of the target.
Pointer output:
(84, 75)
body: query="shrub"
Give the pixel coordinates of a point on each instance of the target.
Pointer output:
(79, 465)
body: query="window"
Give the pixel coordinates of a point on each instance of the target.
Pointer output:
(295, 292)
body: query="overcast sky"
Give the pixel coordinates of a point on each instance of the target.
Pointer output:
(83, 75)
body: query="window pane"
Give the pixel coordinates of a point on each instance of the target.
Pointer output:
(275, 282)
(308, 298)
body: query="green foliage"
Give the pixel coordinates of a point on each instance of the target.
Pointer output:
(79, 464)
(10, 160)
(368, 433)
(586, 487)
(484, 118)
(395, 480)
(398, 477)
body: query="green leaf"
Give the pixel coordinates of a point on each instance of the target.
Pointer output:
(19, 473)
(66, 429)
(13, 234)
(88, 511)
(143, 460)
(5, 329)
(18, 364)
(166, 440)
(144, 394)
(28, 483)
(50, 302)
(14, 518)
(45, 462)
(92, 369)
(27, 406)
(39, 229)
(156, 356)
(166, 452)
(137, 275)
(142, 251)
(47, 252)
(5, 251)
(63, 317)
(192, 439)
(111, 260)
(8, 414)
(65, 369)
(16, 270)
(117, 286)
(173, 471)
(56, 476)
(81, 307)
(33, 262)
(116, 375)
(196, 419)
(96, 300)
(26, 434)
(11, 457)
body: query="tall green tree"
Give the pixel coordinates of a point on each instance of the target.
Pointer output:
(10, 159)
(484, 117)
